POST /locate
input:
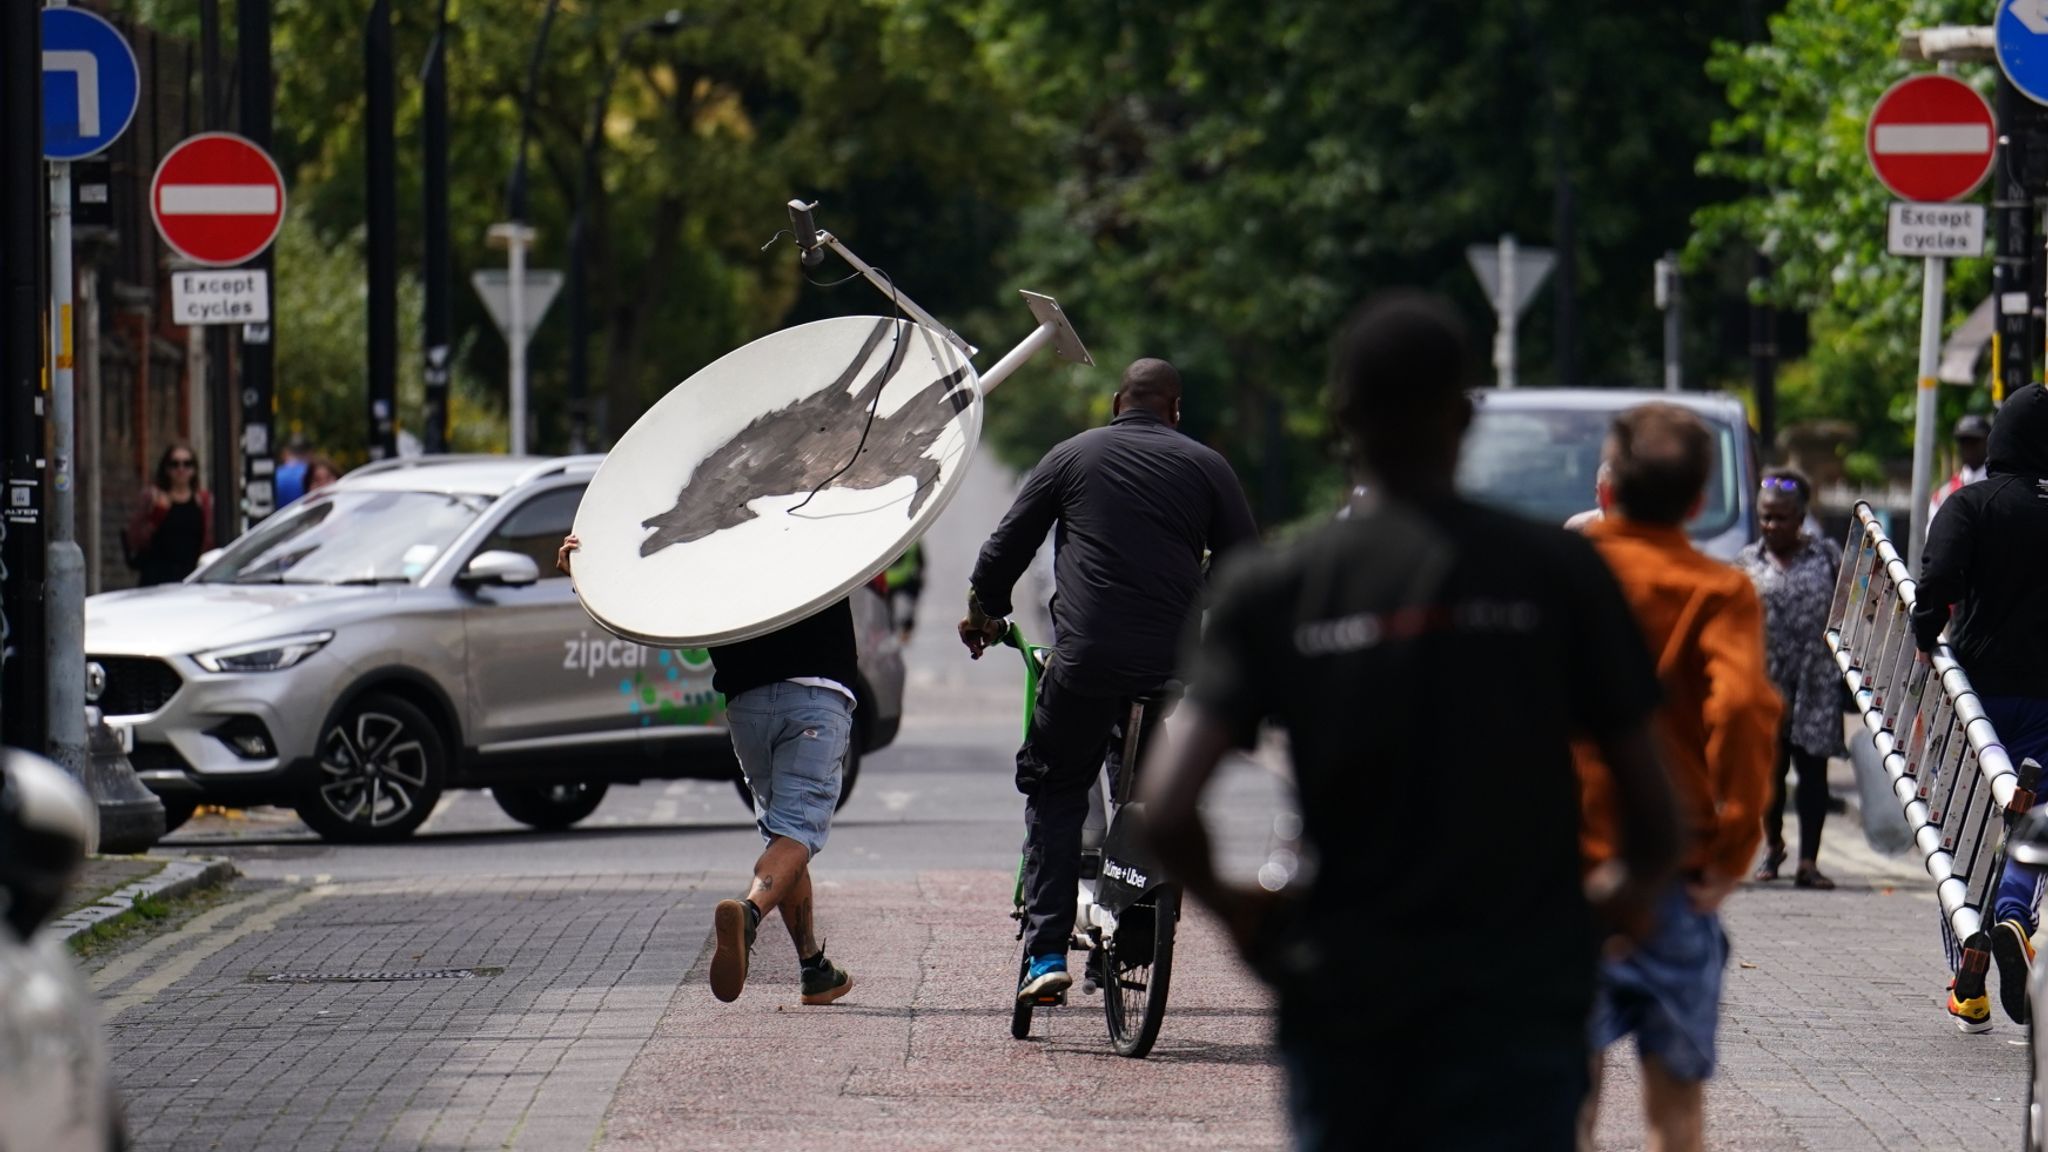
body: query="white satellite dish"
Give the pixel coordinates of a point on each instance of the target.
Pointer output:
(788, 472)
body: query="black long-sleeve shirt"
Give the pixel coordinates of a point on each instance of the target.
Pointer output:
(1985, 555)
(1136, 504)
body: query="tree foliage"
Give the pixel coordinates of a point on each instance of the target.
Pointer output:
(1210, 181)
(1797, 106)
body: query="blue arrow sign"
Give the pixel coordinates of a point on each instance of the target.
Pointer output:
(90, 84)
(2021, 36)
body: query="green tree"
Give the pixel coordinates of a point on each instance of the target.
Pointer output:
(1230, 178)
(1798, 104)
(321, 380)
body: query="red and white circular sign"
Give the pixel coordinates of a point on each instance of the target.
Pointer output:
(217, 199)
(1931, 138)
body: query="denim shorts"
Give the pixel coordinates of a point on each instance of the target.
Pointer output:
(791, 740)
(1667, 990)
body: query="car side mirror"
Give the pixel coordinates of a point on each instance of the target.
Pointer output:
(511, 569)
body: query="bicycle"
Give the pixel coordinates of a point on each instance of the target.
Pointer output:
(1129, 911)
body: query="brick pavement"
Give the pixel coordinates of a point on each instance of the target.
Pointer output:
(1834, 1036)
(919, 1055)
(209, 1055)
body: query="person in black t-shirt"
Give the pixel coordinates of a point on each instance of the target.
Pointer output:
(1430, 661)
(789, 708)
(1134, 505)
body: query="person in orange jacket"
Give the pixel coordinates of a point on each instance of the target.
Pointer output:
(1718, 729)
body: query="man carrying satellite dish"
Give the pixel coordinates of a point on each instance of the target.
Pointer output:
(1136, 504)
(790, 712)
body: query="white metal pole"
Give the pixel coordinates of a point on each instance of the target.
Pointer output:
(1933, 281)
(1015, 357)
(63, 434)
(64, 590)
(1504, 308)
(515, 339)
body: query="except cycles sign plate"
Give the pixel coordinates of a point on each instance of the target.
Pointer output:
(1931, 139)
(1936, 230)
(217, 199)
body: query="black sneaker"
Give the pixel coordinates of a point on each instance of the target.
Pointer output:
(825, 981)
(2014, 954)
(734, 928)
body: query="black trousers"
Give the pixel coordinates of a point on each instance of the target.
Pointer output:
(1811, 798)
(1071, 735)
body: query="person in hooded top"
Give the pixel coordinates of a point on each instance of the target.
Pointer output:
(1980, 578)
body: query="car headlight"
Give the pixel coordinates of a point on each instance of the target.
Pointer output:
(264, 655)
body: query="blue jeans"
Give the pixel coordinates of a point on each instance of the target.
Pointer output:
(791, 740)
(2022, 726)
(1667, 990)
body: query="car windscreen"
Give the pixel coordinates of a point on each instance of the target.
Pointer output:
(348, 537)
(1541, 462)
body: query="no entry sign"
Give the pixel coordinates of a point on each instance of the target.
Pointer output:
(217, 199)
(1931, 139)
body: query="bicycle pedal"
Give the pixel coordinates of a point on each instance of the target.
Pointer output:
(1058, 1000)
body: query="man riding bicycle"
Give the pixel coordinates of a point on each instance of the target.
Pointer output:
(1136, 504)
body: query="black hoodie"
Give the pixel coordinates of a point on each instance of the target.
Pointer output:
(1987, 554)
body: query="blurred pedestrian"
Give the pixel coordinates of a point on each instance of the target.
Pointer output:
(1359, 638)
(789, 712)
(1794, 571)
(290, 480)
(320, 472)
(1984, 557)
(173, 521)
(1603, 496)
(905, 582)
(1972, 448)
(1718, 727)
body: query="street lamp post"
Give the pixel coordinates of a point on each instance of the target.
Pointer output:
(517, 238)
(579, 321)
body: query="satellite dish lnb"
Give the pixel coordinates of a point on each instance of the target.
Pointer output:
(790, 471)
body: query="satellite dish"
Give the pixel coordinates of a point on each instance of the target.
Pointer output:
(776, 480)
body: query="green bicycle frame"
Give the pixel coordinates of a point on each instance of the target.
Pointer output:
(1034, 670)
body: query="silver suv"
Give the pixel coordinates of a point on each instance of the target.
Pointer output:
(404, 632)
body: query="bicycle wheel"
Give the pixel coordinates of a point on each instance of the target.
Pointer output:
(1137, 972)
(1020, 1015)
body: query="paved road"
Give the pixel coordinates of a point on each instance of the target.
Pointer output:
(489, 987)
(484, 986)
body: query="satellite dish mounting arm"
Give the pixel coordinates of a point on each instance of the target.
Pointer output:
(1053, 326)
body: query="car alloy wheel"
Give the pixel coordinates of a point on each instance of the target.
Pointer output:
(378, 774)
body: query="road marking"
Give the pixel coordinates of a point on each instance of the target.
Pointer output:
(182, 965)
(897, 801)
(677, 788)
(442, 805)
(218, 200)
(664, 812)
(1933, 139)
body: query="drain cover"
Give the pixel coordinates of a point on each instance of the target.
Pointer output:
(379, 976)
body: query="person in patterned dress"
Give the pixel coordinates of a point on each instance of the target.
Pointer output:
(1794, 573)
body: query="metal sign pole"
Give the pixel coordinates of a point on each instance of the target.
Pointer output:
(515, 341)
(64, 610)
(1506, 307)
(1933, 282)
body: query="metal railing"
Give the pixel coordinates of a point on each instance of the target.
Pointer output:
(1947, 769)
